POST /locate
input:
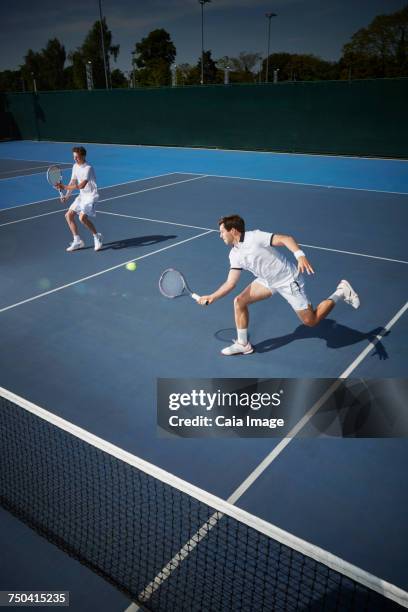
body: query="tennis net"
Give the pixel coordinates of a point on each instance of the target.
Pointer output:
(165, 543)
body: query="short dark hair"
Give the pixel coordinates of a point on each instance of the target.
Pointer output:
(80, 150)
(233, 221)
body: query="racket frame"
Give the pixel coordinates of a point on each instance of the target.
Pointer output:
(61, 191)
(186, 288)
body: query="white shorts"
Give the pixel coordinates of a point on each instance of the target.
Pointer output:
(294, 292)
(84, 204)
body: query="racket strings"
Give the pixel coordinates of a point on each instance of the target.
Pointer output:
(171, 283)
(54, 175)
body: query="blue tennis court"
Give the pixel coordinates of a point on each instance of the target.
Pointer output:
(85, 338)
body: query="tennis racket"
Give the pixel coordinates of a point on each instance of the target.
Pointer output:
(173, 284)
(54, 176)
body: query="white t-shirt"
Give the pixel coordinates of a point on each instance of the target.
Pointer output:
(85, 172)
(256, 255)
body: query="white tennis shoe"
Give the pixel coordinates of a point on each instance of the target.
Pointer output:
(75, 245)
(350, 296)
(238, 349)
(98, 241)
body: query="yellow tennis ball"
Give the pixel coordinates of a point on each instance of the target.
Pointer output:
(131, 266)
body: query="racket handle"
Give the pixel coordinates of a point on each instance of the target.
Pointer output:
(61, 193)
(197, 297)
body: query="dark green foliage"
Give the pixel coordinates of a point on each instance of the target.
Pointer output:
(153, 57)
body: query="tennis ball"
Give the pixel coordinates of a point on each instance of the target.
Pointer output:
(131, 266)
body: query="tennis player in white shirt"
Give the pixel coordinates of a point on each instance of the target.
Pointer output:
(82, 178)
(255, 251)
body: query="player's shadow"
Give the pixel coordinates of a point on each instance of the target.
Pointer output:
(335, 334)
(139, 241)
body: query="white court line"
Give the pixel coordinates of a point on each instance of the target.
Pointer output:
(147, 178)
(238, 151)
(39, 168)
(52, 212)
(183, 553)
(40, 161)
(311, 155)
(244, 178)
(18, 176)
(309, 246)
(123, 195)
(104, 212)
(85, 278)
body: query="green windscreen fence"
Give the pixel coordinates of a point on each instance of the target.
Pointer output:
(8, 128)
(366, 117)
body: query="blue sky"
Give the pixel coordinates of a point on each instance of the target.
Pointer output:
(231, 26)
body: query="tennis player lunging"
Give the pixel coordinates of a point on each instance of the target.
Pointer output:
(255, 251)
(82, 178)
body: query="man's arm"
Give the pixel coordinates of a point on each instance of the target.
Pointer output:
(290, 243)
(223, 290)
(73, 184)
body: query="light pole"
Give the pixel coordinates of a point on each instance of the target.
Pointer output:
(89, 77)
(227, 75)
(133, 69)
(202, 2)
(34, 82)
(269, 17)
(103, 45)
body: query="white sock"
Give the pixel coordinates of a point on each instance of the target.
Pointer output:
(336, 296)
(77, 238)
(242, 336)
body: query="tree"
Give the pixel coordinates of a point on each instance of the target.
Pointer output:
(211, 73)
(299, 67)
(53, 60)
(118, 79)
(183, 73)
(380, 50)
(11, 80)
(242, 67)
(45, 66)
(32, 69)
(91, 50)
(69, 77)
(153, 57)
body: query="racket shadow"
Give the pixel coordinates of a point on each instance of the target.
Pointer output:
(226, 335)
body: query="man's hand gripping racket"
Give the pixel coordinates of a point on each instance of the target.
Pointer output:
(173, 284)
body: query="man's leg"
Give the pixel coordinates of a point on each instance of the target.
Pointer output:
(255, 292)
(77, 243)
(88, 223)
(70, 217)
(312, 316)
(344, 292)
